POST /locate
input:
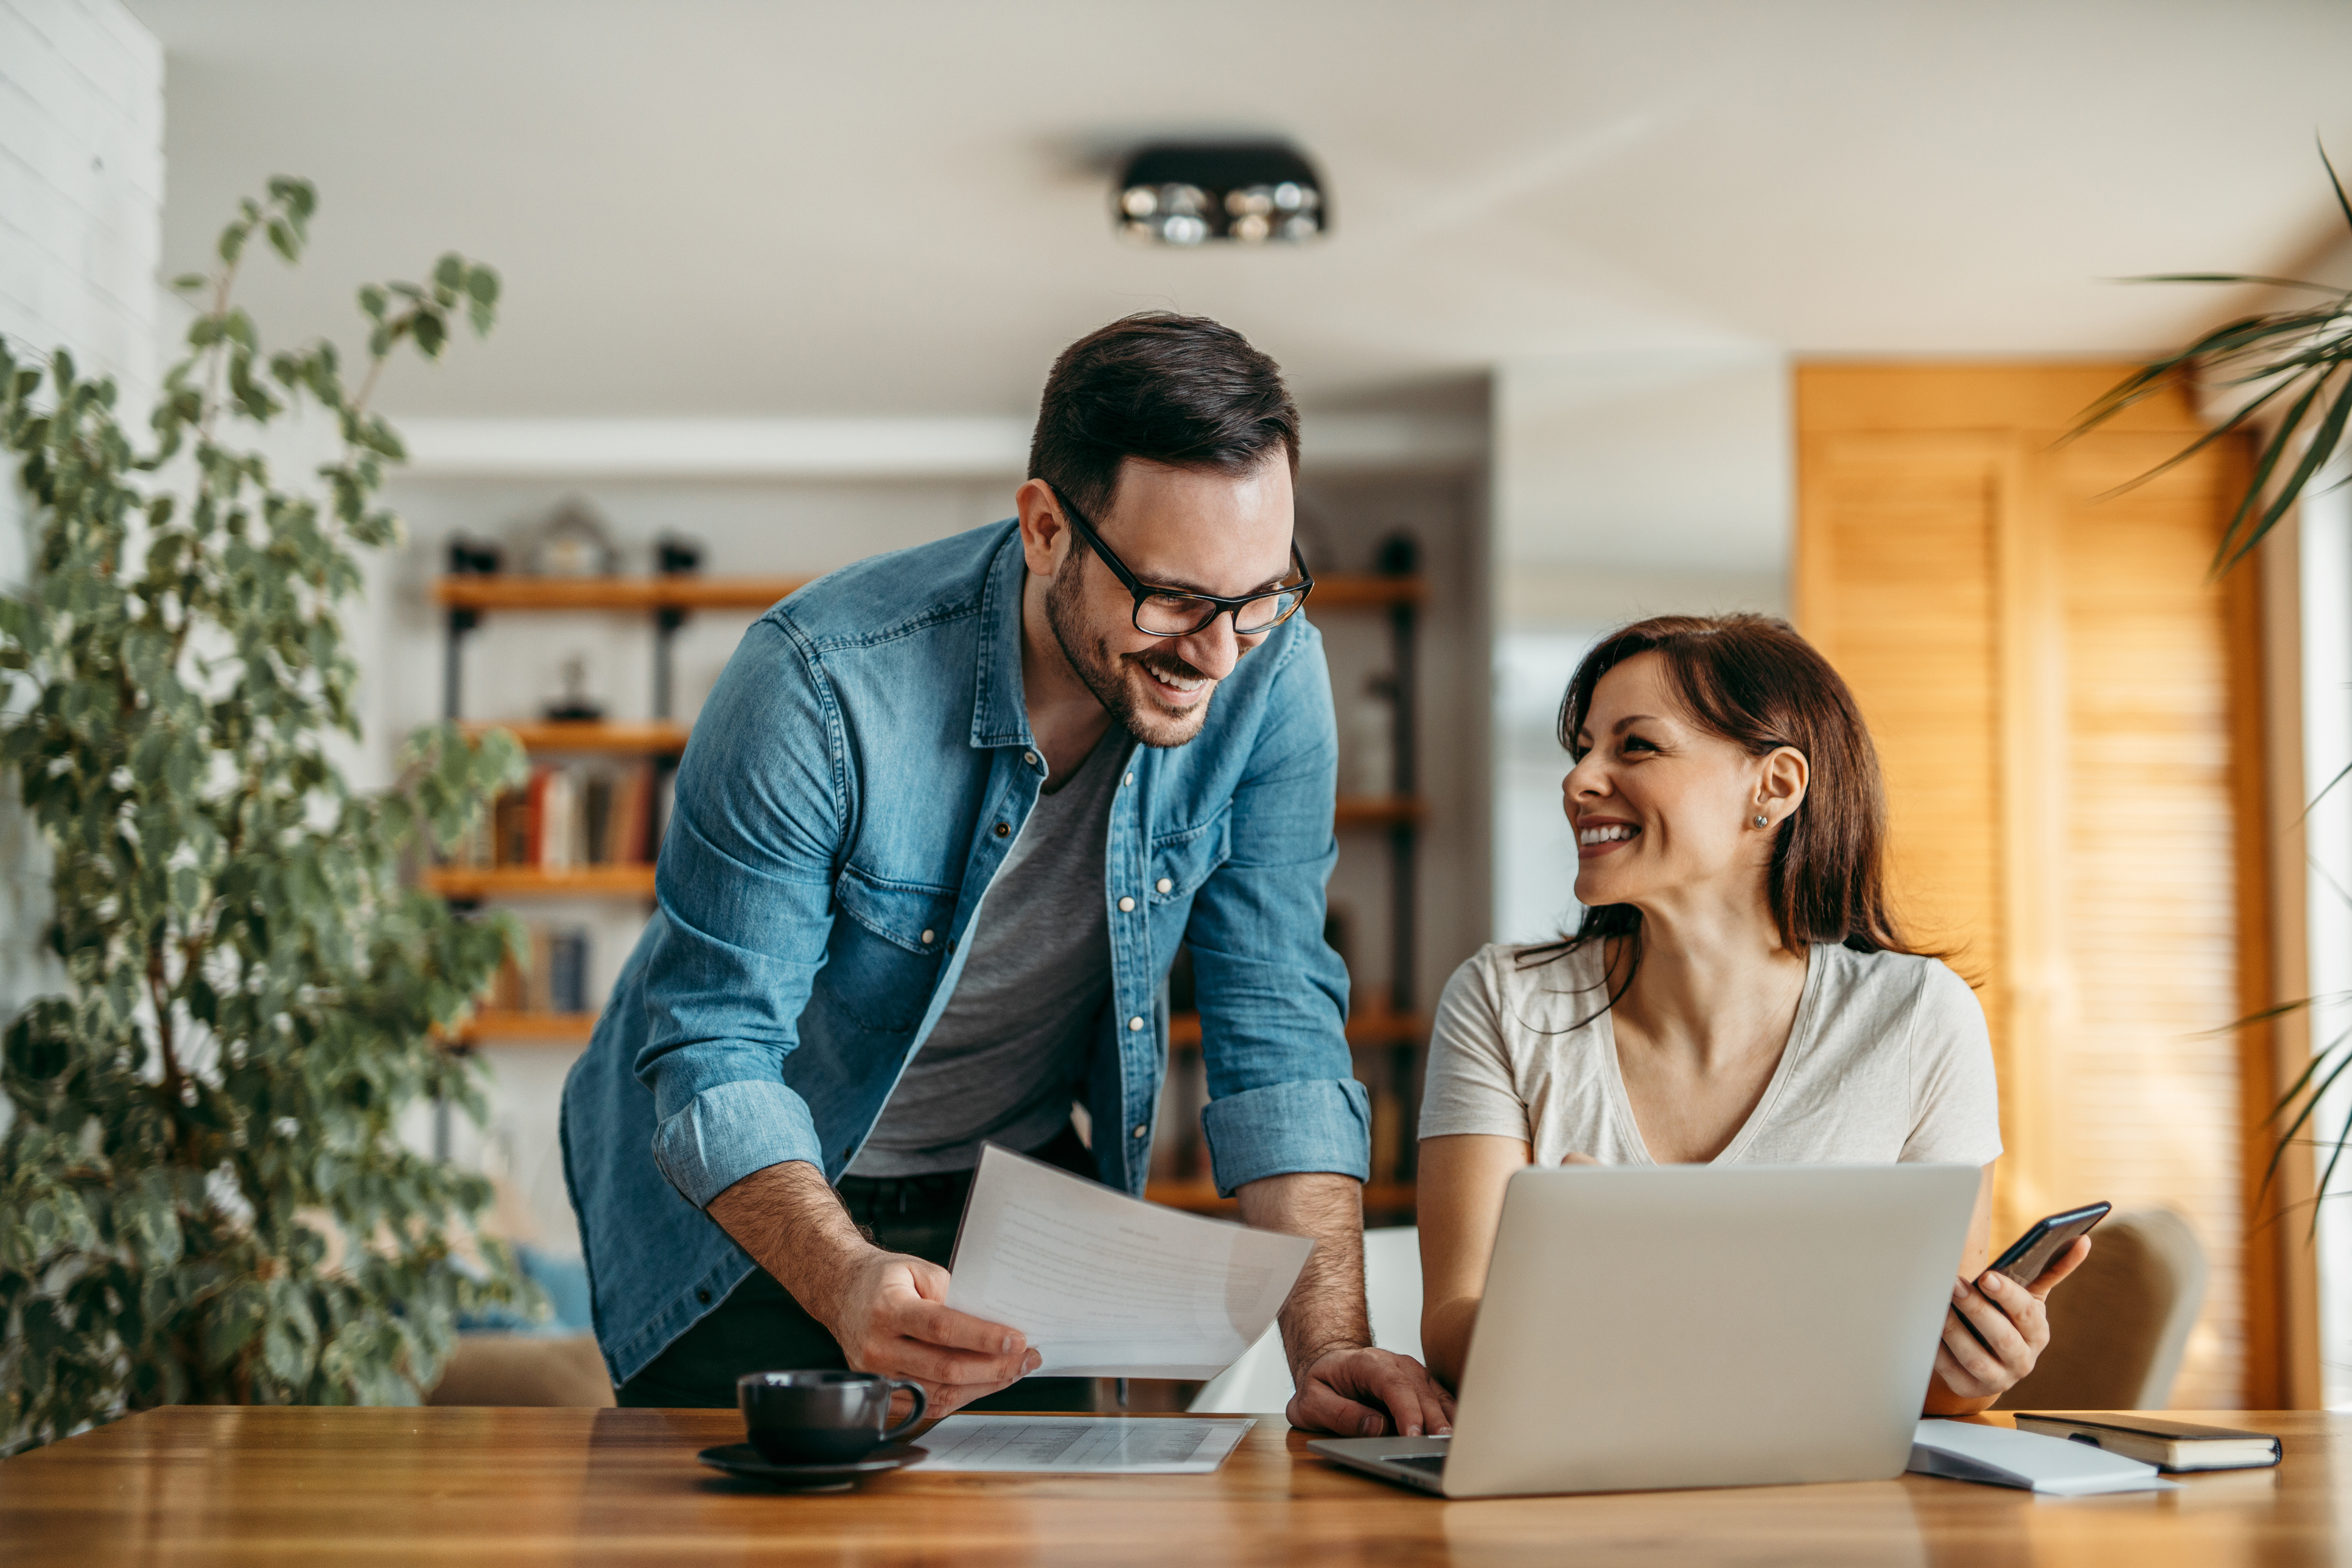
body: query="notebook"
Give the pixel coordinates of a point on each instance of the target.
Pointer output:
(2152, 1440)
(1998, 1457)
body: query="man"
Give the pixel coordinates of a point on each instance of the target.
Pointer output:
(944, 821)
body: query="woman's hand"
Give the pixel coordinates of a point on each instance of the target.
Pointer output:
(2014, 1322)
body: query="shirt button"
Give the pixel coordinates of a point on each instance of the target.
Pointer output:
(1141, 1129)
(927, 937)
(1164, 885)
(1002, 828)
(703, 1296)
(1127, 780)
(1124, 905)
(1029, 757)
(1134, 1025)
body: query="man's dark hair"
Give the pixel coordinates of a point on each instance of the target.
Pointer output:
(1180, 390)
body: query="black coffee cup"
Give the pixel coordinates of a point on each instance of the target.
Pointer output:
(822, 1417)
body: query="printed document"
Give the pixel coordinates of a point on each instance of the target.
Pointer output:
(1105, 1286)
(1082, 1445)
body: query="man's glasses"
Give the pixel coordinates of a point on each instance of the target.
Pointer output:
(1163, 611)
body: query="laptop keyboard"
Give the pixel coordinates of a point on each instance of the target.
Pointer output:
(1433, 1463)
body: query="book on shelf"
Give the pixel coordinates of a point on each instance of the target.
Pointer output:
(553, 976)
(570, 815)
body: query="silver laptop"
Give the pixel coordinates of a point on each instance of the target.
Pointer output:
(1696, 1326)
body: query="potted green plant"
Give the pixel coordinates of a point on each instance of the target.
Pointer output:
(203, 1195)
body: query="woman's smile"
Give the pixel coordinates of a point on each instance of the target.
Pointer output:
(1596, 838)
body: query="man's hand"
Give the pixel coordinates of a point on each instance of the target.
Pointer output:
(890, 1315)
(1342, 1384)
(887, 1310)
(1370, 1393)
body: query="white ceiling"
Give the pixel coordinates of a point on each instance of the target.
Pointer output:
(901, 208)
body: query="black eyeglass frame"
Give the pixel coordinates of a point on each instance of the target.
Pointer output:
(1218, 604)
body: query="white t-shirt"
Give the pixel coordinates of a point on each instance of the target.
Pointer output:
(1887, 1060)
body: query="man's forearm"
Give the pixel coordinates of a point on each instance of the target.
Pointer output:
(791, 1223)
(1326, 1310)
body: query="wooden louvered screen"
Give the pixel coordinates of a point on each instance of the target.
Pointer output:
(2060, 698)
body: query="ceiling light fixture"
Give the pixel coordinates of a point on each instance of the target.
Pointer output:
(1192, 193)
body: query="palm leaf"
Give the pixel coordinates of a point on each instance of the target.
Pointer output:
(2321, 447)
(2252, 278)
(2331, 784)
(2343, 1137)
(2273, 450)
(2311, 1104)
(2336, 180)
(2232, 423)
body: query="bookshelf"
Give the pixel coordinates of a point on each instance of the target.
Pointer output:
(513, 1027)
(652, 738)
(472, 884)
(479, 592)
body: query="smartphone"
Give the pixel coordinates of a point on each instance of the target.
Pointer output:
(2029, 1255)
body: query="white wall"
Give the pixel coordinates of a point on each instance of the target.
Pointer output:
(1624, 485)
(2326, 583)
(82, 194)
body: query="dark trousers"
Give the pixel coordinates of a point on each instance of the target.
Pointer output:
(760, 1326)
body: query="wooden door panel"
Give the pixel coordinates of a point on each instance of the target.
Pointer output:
(2057, 693)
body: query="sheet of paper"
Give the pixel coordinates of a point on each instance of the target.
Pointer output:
(1082, 1445)
(1105, 1286)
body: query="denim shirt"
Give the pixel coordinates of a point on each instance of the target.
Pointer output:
(861, 771)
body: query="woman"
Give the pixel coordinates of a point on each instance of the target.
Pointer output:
(1736, 989)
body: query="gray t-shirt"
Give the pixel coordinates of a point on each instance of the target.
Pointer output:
(1887, 1061)
(1004, 1061)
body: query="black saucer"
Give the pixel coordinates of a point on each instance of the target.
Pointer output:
(744, 1462)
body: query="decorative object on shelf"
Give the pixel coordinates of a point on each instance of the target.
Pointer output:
(575, 706)
(669, 599)
(470, 557)
(204, 1193)
(676, 557)
(573, 541)
(1367, 745)
(1191, 193)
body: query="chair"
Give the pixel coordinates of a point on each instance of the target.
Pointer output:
(2119, 1323)
(1260, 1381)
(524, 1369)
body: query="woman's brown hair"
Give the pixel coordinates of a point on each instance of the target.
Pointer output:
(1753, 681)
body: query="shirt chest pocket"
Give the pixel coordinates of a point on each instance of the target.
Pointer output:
(1181, 861)
(887, 938)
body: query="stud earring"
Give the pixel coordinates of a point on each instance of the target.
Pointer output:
(1761, 819)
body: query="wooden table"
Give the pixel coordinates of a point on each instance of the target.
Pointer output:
(510, 1487)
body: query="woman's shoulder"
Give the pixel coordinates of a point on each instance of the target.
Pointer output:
(1892, 986)
(1529, 982)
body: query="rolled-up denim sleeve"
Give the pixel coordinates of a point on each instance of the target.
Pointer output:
(1273, 995)
(745, 886)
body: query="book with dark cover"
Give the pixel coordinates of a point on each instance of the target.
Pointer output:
(2168, 1445)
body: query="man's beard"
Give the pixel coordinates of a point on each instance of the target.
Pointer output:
(1112, 685)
